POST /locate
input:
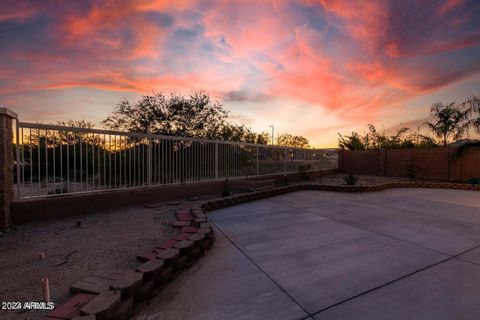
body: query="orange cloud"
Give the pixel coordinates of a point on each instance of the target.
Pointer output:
(104, 28)
(346, 57)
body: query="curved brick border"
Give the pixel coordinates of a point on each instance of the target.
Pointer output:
(241, 198)
(119, 293)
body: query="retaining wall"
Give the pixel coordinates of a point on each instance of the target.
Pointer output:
(67, 205)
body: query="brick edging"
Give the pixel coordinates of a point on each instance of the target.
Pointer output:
(119, 294)
(241, 198)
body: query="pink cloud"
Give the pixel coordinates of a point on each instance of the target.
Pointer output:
(346, 56)
(17, 11)
(103, 27)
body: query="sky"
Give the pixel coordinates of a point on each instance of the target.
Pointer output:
(308, 67)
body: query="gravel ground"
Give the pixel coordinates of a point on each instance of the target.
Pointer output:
(363, 180)
(105, 240)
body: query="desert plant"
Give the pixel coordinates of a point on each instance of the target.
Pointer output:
(226, 190)
(303, 169)
(411, 167)
(474, 180)
(351, 179)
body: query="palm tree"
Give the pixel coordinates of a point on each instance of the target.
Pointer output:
(473, 108)
(448, 120)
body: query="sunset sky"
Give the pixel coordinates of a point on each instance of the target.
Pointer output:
(311, 67)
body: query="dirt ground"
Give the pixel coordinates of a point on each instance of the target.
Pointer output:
(104, 240)
(364, 180)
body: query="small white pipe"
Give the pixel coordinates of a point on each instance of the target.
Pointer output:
(46, 290)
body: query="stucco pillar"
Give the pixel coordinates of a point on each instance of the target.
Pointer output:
(6, 166)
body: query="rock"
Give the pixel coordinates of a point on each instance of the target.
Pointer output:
(169, 256)
(184, 246)
(128, 283)
(71, 308)
(103, 306)
(151, 269)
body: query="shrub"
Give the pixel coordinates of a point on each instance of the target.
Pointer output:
(350, 179)
(411, 167)
(474, 180)
(303, 169)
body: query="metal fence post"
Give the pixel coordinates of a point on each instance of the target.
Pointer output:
(257, 160)
(216, 160)
(18, 163)
(149, 161)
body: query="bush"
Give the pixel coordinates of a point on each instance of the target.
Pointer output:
(411, 167)
(303, 169)
(350, 179)
(474, 180)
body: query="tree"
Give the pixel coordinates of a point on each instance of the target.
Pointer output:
(473, 108)
(423, 141)
(351, 142)
(53, 138)
(194, 115)
(376, 140)
(382, 141)
(241, 133)
(288, 140)
(448, 121)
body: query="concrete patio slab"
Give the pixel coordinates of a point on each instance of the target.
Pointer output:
(251, 208)
(397, 254)
(449, 290)
(439, 234)
(472, 256)
(329, 262)
(223, 285)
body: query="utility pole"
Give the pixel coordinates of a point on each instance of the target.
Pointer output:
(273, 134)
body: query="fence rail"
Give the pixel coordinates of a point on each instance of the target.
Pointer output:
(52, 160)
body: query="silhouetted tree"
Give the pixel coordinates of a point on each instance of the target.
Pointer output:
(448, 121)
(194, 115)
(190, 116)
(241, 133)
(472, 106)
(376, 140)
(288, 140)
(351, 142)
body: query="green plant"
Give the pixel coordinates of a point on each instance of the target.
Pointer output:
(474, 180)
(59, 190)
(411, 167)
(303, 168)
(226, 190)
(351, 179)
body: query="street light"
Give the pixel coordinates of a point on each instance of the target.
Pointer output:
(273, 134)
